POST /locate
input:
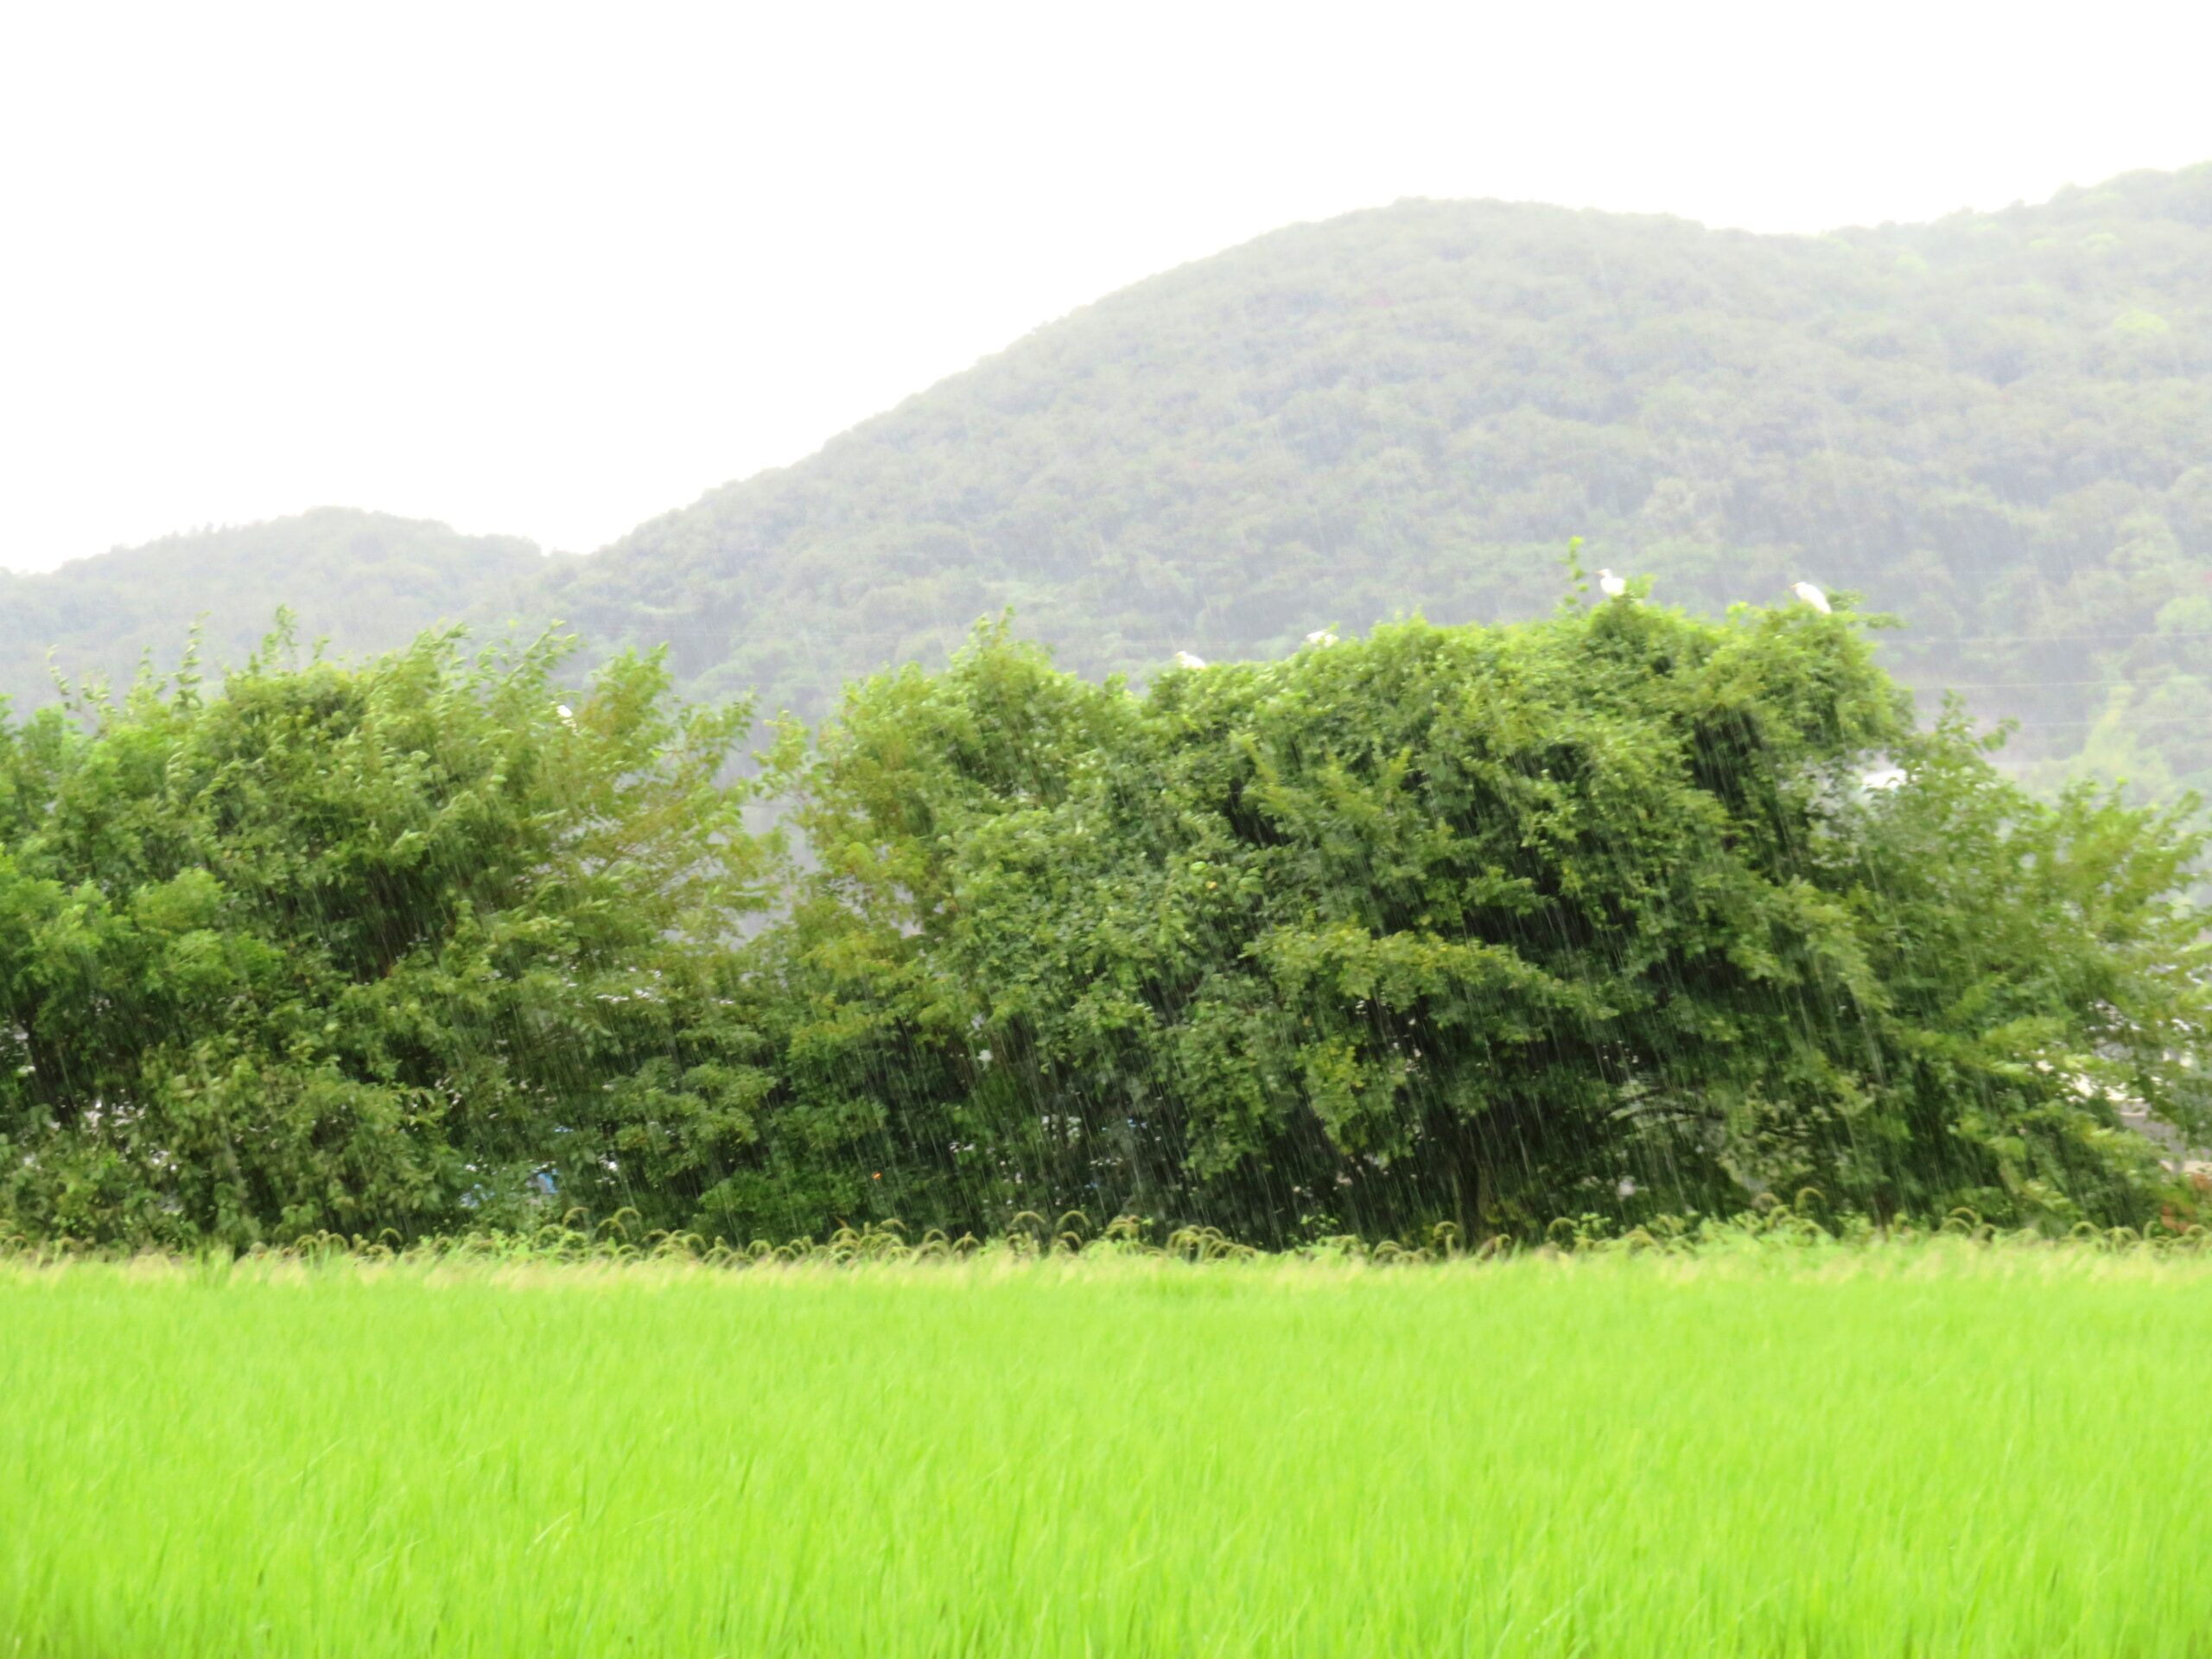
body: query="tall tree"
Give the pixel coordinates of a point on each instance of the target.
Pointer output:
(393, 945)
(1486, 926)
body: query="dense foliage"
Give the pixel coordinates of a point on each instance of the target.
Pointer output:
(1483, 926)
(1993, 423)
(1475, 925)
(356, 948)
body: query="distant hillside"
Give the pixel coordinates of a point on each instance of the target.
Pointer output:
(1998, 425)
(366, 580)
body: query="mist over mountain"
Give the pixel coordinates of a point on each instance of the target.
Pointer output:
(1995, 425)
(365, 581)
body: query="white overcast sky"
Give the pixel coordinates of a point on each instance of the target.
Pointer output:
(550, 271)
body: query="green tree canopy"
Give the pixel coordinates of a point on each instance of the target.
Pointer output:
(1485, 925)
(352, 948)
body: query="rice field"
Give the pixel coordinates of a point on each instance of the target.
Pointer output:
(1911, 1450)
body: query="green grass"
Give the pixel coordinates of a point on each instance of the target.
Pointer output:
(1929, 1450)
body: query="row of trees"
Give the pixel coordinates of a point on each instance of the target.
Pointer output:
(1486, 926)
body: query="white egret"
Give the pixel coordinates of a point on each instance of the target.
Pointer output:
(1184, 659)
(1611, 586)
(1812, 595)
(1883, 778)
(568, 715)
(1322, 636)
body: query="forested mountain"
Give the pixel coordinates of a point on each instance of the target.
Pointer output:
(1998, 426)
(367, 580)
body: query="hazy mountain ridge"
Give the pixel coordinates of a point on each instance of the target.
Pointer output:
(367, 580)
(1994, 424)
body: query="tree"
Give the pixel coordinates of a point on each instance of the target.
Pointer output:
(1487, 925)
(394, 945)
(1465, 924)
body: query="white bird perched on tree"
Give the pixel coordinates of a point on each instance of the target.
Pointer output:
(1611, 586)
(1810, 592)
(1322, 636)
(1184, 659)
(568, 715)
